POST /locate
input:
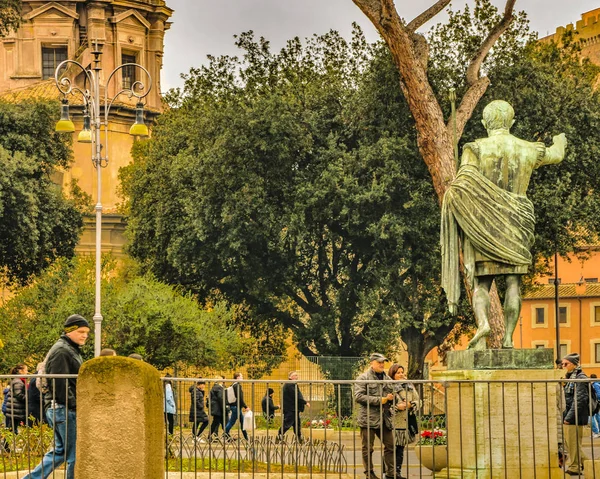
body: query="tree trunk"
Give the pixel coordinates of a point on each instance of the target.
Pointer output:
(410, 54)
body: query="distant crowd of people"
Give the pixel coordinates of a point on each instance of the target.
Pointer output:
(388, 407)
(227, 406)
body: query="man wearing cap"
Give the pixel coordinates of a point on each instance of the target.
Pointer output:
(64, 358)
(575, 415)
(374, 417)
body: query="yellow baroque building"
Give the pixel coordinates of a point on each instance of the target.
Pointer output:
(127, 31)
(587, 32)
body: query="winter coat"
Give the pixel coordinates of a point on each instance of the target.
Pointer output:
(16, 406)
(36, 408)
(216, 400)
(576, 393)
(197, 411)
(5, 392)
(291, 396)
(268, 407)
(369, 395)
(64, 358)
(170, 407)
(404, 393)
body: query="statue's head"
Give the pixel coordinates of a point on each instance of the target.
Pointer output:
(498, 115)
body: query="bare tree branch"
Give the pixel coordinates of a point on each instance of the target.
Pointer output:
(427, 15)
(488, 43)
(467, 105)
(371, 8)
(382, 13)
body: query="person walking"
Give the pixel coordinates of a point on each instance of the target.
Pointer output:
(293, 404)
(16, 405)
(217, 408)
(198, 414)
(268, 406)
(238, 407)
(374, 399)
(64, 358)
(404, 414)
(170, 407)
(575, 415)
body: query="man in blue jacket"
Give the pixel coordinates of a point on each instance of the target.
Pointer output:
(64, 358)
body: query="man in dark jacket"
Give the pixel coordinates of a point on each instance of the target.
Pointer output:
(197, 412)
(575, 415)
(237, 407)
(293, 404)
(64, 358)
(374, 416)
(268, 406)
(217, 407)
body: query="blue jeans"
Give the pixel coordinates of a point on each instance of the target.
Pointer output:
(595, 423)
(235, 414)
(65, 436)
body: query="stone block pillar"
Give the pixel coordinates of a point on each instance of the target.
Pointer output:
(501, 428)
(120, 424)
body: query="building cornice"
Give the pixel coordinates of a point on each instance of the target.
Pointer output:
(52, 5)
(130, 13)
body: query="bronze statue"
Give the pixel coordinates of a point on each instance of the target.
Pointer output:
(486, 205)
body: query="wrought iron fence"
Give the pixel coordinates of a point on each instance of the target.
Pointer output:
(471, 429)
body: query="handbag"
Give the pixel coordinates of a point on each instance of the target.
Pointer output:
(413, 425)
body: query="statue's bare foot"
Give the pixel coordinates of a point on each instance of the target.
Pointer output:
(507, 343)
(479, 340)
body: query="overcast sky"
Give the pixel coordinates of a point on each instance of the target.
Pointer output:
(203, 27)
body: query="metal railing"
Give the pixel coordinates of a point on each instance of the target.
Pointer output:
(495, 429)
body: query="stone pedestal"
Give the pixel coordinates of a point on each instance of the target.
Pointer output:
(501, 429)
(120, 425)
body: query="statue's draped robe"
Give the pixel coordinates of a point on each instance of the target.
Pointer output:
(493, 223)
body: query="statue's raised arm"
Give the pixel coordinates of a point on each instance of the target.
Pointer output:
(487, 207)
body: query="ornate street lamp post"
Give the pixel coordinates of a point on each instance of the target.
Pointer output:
(93, 120)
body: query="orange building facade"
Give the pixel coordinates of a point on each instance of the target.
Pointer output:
(579, 312)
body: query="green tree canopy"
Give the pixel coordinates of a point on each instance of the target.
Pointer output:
(140, 314)
(38, 223)
(290, 183)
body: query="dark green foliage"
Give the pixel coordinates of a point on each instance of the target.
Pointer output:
(38, 223)
(290, 183)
